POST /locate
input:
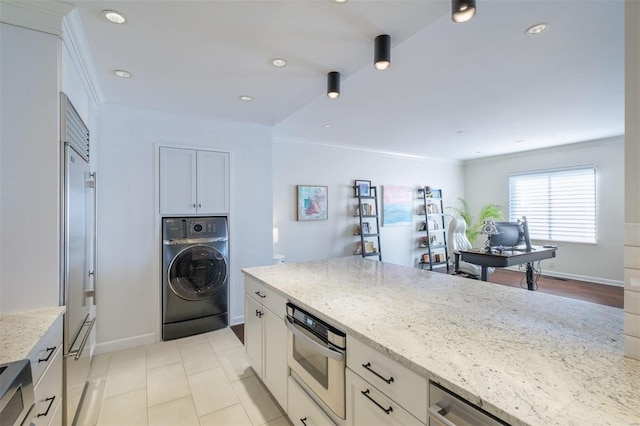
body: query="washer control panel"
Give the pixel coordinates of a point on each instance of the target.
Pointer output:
(194, 227)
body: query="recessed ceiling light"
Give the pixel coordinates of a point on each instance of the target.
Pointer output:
(326, 126)
(520, 141)
(246, 98)
(122, 73)
(341, 1)
(536, 29)
(115, 17)
(279, 62)
(460, 132)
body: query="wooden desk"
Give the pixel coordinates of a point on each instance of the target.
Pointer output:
(504, 258)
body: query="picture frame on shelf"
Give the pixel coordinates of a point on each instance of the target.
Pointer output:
(436, 193)
(363, 188)
(312, 202)
(369, 247)
(366, 228)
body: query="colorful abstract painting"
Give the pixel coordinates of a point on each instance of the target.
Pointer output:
(312, 202)
(397, 203)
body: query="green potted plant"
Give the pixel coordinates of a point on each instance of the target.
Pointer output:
(487, 211)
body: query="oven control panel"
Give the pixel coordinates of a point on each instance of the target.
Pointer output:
(317, 326)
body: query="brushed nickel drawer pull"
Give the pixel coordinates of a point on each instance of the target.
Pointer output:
(51, 351)
(386, 410)
(368, 367)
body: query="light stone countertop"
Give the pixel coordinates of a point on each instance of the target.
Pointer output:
(529, 358)
(20, 332)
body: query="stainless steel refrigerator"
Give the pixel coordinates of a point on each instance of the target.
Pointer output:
(78, 259)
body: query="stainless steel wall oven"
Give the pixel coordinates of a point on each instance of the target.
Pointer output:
(317, 355)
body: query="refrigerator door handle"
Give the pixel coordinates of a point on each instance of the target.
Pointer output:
(77, 353)
(93, 272)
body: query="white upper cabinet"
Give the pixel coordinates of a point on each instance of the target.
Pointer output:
(193, 181)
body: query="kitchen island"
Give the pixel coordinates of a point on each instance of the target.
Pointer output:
(527, 358)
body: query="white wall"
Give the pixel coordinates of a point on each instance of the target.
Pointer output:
(129, 223)
(299, 163)
(486, 181)
(30, 174)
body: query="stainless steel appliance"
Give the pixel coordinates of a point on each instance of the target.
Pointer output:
(448, 409)
(16, 392)
(78, 256)
(195, 275)
(317, 355)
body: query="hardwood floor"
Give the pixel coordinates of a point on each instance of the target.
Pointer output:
(590, 292)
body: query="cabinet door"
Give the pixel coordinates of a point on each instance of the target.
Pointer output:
(253, 332)
(275, 356)
(177, 181)
(213, 182)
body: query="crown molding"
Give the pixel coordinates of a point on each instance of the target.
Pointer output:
(43, 16)
(75, 40)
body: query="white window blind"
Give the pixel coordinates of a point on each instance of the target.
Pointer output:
(560, 205)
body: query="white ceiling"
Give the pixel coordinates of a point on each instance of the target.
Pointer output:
(458, 91)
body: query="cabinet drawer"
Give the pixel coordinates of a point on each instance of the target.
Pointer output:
(303, 411)
(368, 406)
(397, 382)
(48, 392)
(270, 299)
(44, 351)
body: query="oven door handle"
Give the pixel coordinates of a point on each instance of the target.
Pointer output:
(322, 350)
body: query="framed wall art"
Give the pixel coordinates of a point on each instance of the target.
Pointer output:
(397, 202)
(312, 202)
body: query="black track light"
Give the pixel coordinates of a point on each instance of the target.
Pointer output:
(382, 52)
(333, 84)
(462, 10)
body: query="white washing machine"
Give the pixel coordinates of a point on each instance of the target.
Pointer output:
(195, 275)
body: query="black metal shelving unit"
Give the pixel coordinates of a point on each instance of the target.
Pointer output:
(433, 237)
(364, 212)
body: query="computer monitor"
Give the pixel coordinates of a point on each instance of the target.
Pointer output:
(512, 234)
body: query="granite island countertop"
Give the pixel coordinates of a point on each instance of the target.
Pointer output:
(529, 358)
(20, 332)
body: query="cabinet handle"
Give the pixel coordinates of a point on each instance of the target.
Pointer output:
(199, 206)
(260, 295)
(50, 399)
(386, 410)
(304, 421)
(51, 351)
(368, 367)
(259, 314)
(194, 205)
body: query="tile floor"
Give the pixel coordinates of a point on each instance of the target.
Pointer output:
(198, 380)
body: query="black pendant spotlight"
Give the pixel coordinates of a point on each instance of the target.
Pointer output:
(333, 84)
(462, 10)
(382, 52)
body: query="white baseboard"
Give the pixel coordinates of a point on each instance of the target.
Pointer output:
(556, 274)
(237, 319)
(129, 342)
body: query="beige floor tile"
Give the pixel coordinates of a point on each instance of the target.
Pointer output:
(125, 376)
(236, 364)
(256, 401)
(162, 353)
(230, 416)
(127, 354)
(166, 383)
(211, 391)
(192, 340)
(180, 412)
(99, 366)
(223, 339)
(280, 421)
(199, 357)
(127, 409)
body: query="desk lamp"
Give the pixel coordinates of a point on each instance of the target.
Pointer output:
(489, 229)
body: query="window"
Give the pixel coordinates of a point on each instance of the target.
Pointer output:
(560, 205)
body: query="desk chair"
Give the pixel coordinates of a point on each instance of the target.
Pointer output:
(457, 240)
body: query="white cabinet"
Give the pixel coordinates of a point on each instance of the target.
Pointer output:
(193, 181)
(46, 367)
(266, 337)
(303, 411)
(386, 382)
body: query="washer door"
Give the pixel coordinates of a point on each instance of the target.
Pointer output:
(197, 272)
